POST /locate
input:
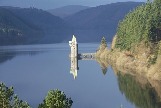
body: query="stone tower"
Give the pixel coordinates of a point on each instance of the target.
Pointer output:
(74, 47)
(73, 57)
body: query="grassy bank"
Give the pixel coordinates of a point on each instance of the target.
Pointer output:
(125, 61)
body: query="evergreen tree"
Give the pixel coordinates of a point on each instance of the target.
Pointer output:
(103, 44)
(9, 100)
(143, 24)
(5, 96)
(56, 99)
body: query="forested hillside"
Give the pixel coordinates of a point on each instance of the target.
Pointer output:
(136, 48)
(141, 25)
(30, 25)
(55, 29)
(66, 11)
(15, 31)
(91, 24)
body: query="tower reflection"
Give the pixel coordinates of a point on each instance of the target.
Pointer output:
(74, 57)
(74, 66)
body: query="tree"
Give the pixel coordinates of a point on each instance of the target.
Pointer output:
(103, 42)
(143, 24)
(17, 103)
(5, 96)
(56, 99)
(9, 100)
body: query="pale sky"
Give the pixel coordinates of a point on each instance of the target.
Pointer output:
(51, 4)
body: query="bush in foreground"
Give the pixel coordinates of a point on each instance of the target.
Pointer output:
(9, 100)
(56, 99)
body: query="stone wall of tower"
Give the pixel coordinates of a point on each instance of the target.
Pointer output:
(74, 47)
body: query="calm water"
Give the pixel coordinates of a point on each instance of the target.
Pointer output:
(33, 70)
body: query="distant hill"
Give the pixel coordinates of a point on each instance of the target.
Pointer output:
(91, 24)
(48, 25)
(14, 30)
(31, 25)
(67, 10)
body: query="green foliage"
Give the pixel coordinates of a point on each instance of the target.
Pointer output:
(5, 96)
(56, 99)
(17, 103)
(7, 100)
(143, 96)
(103, 44)
(142, 24)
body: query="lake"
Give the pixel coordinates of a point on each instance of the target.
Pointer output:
(33, 70)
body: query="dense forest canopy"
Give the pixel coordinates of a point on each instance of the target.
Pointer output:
(143, 24)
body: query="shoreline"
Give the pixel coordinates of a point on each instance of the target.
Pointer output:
(131, 64)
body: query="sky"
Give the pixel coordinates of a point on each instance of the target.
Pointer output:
(51, 4)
